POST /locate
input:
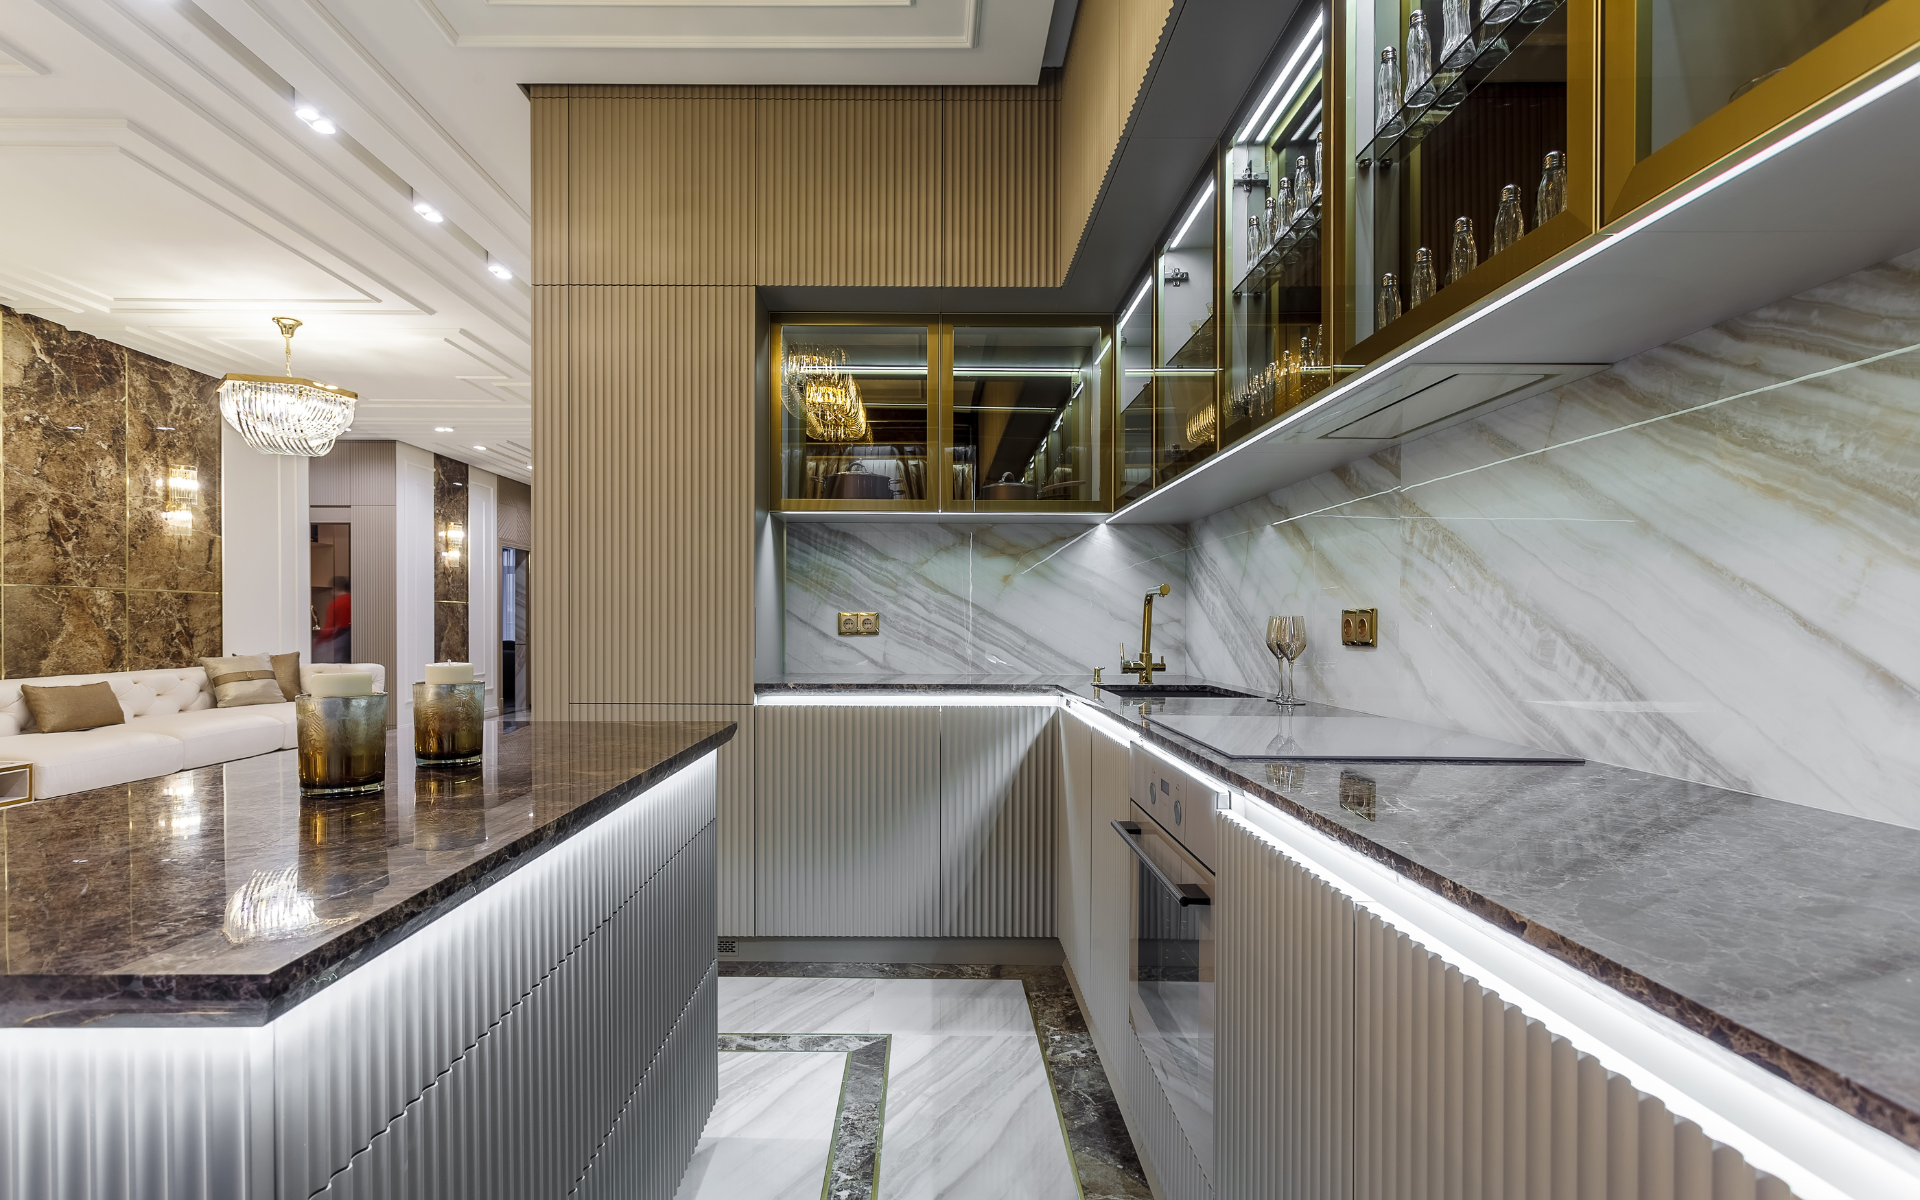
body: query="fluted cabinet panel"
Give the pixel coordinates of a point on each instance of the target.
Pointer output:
(848, 821)
(1284, 1054)
(851, 190)
(1156, 1130)
(999, 792)
(998, 171)
(643, 430)
(1073, 843)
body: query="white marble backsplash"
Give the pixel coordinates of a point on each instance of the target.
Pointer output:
(1703, 562)
(1000, 599)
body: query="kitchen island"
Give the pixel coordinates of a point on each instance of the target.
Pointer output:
(1776, 942)
(493, 980)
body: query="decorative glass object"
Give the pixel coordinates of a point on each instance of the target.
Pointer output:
(1302, 188)
(1386, 308)
(1425, 283)
(1466, 251)
(283, 414)
(1386, 94)
(1550, 200)
(1509, 223)
(1493, 12)
(342, 743)
(448, 723)
(815, 386)
(1419, 61)
(1456, 51)
(1317, 177)
(1279, 211)
(1253, 237)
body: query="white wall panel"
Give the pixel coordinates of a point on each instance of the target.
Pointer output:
(265, 596)
(999, 789)
(847, 820)
(483, 581)
(413, 578)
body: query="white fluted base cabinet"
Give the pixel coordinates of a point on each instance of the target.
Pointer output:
(552, 1035)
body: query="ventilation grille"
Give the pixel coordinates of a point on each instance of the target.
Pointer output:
(729, 947)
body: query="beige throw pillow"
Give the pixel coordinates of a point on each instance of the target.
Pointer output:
(66, 709)
(242, 679)
(286, 672)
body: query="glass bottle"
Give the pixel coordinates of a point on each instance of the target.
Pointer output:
(1302, 187)
(1466, 252)
(1386, 307)
(1419, 61)
(1386, 94)
(1316, 166)
(1253, 237)
(1456, 51)
(1551, 198)
(1496, 11)
(1508, 224)
(1425, 283)
(1279, 211)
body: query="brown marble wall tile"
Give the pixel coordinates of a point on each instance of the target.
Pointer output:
(63, 415)
(173, 454)
(172, 629)
(450, 632)
(62, 631)
(450, 512)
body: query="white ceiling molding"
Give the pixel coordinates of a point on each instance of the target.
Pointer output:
(15, 61)
(952, 30)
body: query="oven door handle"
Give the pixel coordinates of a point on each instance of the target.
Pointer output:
(1185, 893)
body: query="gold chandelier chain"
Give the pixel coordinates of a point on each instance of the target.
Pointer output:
(287, 326)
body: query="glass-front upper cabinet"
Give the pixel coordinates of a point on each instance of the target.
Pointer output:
(1133, 339)
(1277, 349)
(854, 413)
(1186, 342)
(1467, 169)
(1026, 426)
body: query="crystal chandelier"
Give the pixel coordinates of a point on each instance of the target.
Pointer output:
(281, 414)
(816, 387)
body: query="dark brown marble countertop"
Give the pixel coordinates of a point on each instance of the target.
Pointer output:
(117, 900)
(1790, 935)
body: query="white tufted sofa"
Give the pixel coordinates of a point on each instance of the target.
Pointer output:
(172, 725)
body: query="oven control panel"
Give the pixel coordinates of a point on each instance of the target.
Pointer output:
(1180, 803)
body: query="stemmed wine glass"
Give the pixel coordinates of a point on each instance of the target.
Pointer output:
(1287, 639)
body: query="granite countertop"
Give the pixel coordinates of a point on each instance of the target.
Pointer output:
(1788, 934)
(116, 900)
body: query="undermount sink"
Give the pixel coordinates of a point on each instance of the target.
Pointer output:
(1172, 689)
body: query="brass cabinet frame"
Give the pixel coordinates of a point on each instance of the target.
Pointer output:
(940, 329)
(1875, 45)
(1541, 243)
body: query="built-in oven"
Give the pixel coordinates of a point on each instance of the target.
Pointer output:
(1170, 1001)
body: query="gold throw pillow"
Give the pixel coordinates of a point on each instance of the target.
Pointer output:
(241, 679)
(66, 709)
(286, 672)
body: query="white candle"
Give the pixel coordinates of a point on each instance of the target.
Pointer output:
(449, 672)
(341, 683)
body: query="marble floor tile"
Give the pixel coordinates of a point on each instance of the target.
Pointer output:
(771, 1129)
(770, 1005)
(972, 1116)
(957, 1006)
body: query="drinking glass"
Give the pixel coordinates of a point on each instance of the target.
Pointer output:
(1287, 640)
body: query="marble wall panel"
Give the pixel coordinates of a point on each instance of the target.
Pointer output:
(63, 420)
(172, 629)
(999, 599)
(62, 631)
(1701, 562)
(450, 526)
(450, 631)
(173, 441)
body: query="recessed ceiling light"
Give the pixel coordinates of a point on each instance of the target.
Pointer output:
(307, 112)
(443, 429)
(316, 120)
(479, 447)
(499, 270)
(428, 212)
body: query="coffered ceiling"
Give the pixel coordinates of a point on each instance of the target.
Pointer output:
(162, 192)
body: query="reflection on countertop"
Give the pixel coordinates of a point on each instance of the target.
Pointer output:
(1788, 934)
(219, 896)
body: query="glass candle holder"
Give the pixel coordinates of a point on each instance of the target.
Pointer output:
(342, 743)
(447, 722)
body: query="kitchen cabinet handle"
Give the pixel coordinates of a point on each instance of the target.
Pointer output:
(1185, 893)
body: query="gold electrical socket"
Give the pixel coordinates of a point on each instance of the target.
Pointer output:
(1359, 627)
(855, 624)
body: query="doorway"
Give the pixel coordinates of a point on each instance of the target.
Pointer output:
(330, 546)
(514, 628)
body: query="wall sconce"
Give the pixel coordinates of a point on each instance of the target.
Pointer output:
(453, 536)
(180, 495)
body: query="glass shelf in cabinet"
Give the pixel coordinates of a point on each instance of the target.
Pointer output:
(1452, 83)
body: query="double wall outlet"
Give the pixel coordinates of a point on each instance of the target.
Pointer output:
(1359, 627)
(855, 624)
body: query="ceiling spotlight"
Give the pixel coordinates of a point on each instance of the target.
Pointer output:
(315, 119)
(324, 127)
(428, 212)
(499, 270)
(479, 447)
(307, 112)
(443, 429)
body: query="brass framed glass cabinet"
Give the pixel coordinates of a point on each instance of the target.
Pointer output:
(1133, 341)
(927, 414)
(1186, 339)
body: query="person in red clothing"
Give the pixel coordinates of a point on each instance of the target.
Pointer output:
(336, 627)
